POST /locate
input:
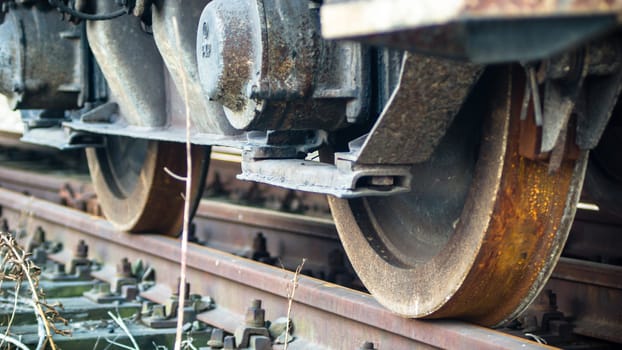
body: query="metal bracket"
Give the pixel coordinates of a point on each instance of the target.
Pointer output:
(345, 180)
(585, 84)
(165, 316)
(423, 105)
(566, 74)
(102, 294)
(428, 96)
(276, 144)
(604, 87)
(63, 139)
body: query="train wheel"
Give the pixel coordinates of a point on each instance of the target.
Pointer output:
(483, 227)
(135, 192)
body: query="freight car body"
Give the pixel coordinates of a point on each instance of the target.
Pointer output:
(453, 169)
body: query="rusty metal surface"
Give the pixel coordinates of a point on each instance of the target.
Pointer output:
(586, 291)
(218, 225)
(265, 61)
(505, 244)
(224, 225)
(39, 186)
(349, 181)
(134, 190)
(323, 314)
(41, 60)
(221, 225)
(132, 66)
(175, 30)
(428, 96)
(222, 184)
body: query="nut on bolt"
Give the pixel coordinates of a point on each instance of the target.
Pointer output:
(255, 315)
(177, 289)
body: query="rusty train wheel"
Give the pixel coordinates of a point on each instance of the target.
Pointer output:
(135, 192)
(475, 239)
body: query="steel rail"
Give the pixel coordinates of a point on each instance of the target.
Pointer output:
(324, 315)
(230, 227)
(218, 224)
(36, 184)
(594, 300)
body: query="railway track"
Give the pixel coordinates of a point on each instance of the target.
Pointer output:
(325, 314)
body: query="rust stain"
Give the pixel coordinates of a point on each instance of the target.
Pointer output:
(520, 237)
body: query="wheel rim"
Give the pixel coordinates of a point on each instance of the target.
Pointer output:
(492, 235)
(122, 162)
(135, 192)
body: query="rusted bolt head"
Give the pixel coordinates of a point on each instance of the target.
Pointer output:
(178, 288)
(255, 315)
(82, 250)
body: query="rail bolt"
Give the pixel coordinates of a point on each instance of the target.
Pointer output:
(255, 315)
(124, 269)
(82, 250)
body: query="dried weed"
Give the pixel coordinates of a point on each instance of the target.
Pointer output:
(16, 266)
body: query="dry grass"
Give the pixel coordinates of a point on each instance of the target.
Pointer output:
(17, 267)
(187, 199)
(291, 292)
